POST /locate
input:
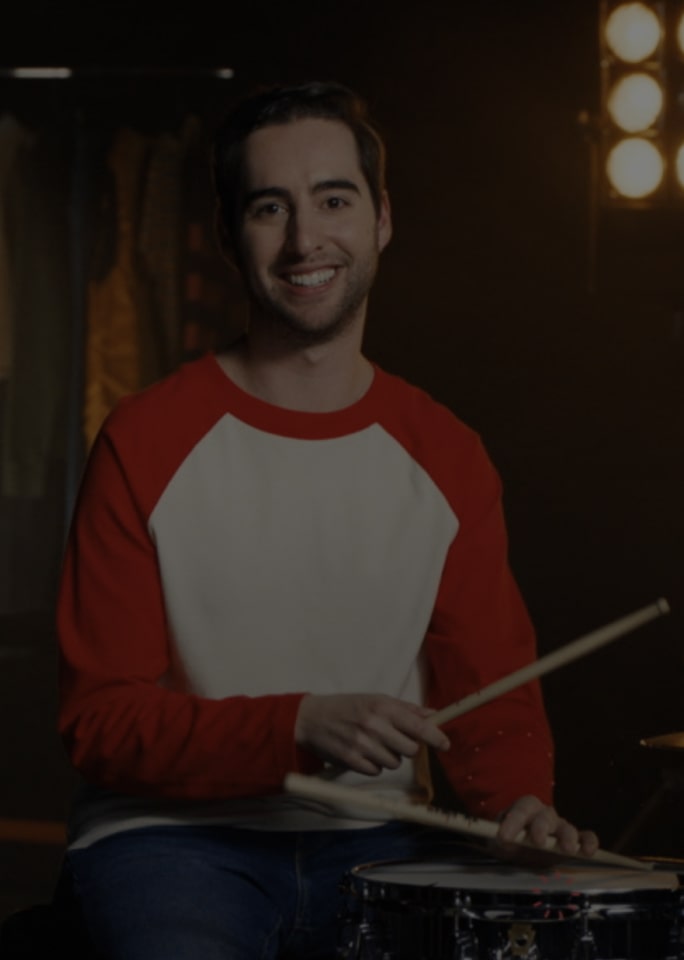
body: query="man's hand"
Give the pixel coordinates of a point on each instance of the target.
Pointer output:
(540, 822)
(365, 732)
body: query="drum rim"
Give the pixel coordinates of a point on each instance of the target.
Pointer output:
(571, 893)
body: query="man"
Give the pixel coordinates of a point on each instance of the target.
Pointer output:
(284, 558)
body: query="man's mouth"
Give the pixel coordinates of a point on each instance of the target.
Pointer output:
(315, 278)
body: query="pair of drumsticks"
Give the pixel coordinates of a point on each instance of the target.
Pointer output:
(319, 789)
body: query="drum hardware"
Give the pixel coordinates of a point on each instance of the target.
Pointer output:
(465, 945)
(666, 752)
(439, 910)
(521, 937)
(586, 949)
(368, 934)
(358, 936)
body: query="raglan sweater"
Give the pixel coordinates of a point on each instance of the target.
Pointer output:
(227, 556)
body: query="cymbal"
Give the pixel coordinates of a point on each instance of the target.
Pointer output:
(667, 741)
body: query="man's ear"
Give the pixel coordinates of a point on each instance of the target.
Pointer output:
(384, 226)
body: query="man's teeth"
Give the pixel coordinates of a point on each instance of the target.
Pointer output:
(314, 279)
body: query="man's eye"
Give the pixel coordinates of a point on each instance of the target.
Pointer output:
(266, 210)
(336, 203)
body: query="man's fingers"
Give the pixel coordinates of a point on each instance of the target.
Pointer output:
(567, 837)
(415, 722)
(366, 732)
(537, 823)
(589, 842)
(519, 817)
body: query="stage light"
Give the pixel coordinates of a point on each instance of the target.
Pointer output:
(636, 133)
(635, 102)
(679, 35)
(677, 103)
(679, 166)
(635, 168)
(633, 32)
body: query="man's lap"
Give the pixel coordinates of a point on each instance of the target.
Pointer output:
(176, 893)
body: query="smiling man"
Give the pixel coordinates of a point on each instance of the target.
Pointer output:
(310, 236)
(284, 558)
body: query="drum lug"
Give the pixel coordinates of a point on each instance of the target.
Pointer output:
(364, 943)
(586, 946)
(465, 948)
(465, 944)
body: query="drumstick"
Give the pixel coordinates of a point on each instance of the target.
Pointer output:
(572, 651)
(340, 795)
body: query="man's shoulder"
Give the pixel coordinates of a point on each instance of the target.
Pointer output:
(180, 394)
(149, 434)
(450, 450)
(418, 405)
(155, 430)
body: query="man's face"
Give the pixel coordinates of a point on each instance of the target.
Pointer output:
(308, 235)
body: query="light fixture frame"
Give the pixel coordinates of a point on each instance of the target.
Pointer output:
(612, 70)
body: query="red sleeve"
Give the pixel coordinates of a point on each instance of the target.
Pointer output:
(480, 631)
(121, 726)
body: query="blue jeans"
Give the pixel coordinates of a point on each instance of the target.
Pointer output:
(219, 893)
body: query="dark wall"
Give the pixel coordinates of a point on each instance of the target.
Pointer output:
(569, 365)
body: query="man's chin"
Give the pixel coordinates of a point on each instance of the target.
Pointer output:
(307, 332)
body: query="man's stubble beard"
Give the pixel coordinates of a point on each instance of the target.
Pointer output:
(288, 326)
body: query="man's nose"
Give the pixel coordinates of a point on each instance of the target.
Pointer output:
(303, 233)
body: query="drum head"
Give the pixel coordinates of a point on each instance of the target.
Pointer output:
(503, 877)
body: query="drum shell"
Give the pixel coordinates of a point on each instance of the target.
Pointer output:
(389, 917)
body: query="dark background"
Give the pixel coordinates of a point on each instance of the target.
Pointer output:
(553, 328)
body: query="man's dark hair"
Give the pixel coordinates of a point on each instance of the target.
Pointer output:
(282, 104)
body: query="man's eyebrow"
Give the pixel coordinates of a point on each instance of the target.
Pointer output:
(339, 184)
(255, 195)
(282, 194)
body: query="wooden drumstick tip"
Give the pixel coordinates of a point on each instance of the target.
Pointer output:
(552, 661)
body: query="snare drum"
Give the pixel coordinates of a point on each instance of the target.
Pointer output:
(437, 910)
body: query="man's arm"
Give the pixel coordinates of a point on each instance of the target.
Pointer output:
(124, 725)
(481, 631)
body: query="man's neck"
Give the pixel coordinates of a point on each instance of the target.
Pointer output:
(315, 379)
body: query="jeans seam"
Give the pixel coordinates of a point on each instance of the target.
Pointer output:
(301, 901)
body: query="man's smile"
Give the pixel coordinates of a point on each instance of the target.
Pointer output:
(311, 279)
